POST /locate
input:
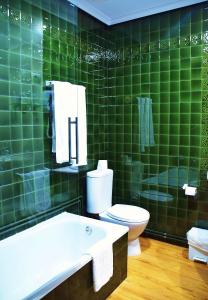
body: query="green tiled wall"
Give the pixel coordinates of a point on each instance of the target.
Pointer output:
(163, 57)
(45, 40)
(21, 131)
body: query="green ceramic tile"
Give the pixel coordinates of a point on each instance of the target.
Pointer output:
(196, 27)
(174, 64)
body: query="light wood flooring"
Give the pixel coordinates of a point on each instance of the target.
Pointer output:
(163, 271)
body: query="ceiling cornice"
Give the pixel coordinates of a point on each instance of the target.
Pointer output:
(154, 10)
(138, 13)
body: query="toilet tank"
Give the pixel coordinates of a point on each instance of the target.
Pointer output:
(99, 190)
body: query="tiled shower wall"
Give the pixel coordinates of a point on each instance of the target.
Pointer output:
(45, 40)
(163, 57)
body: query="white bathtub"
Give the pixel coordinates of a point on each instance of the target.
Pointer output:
(35, 261)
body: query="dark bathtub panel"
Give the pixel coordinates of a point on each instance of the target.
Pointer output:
(80, 285)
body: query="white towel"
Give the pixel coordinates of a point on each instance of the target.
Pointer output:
(73, 114)
(65, 106)
(82, 126)
(102, 263)
(69, 101)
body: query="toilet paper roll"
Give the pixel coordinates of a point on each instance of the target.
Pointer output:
(102, 165)
(190, 191)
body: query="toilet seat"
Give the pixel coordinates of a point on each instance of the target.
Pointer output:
(128, 213)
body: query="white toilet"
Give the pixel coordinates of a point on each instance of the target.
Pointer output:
(99, 201)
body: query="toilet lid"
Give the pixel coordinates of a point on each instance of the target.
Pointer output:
(198, 237)
(128, 213)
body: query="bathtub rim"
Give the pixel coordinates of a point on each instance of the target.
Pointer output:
(114, 234)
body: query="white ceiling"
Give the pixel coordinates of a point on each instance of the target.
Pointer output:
(116, 11)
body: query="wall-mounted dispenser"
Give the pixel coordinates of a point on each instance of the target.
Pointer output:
(189, 190)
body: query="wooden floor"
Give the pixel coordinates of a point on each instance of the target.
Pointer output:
(163, 271)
